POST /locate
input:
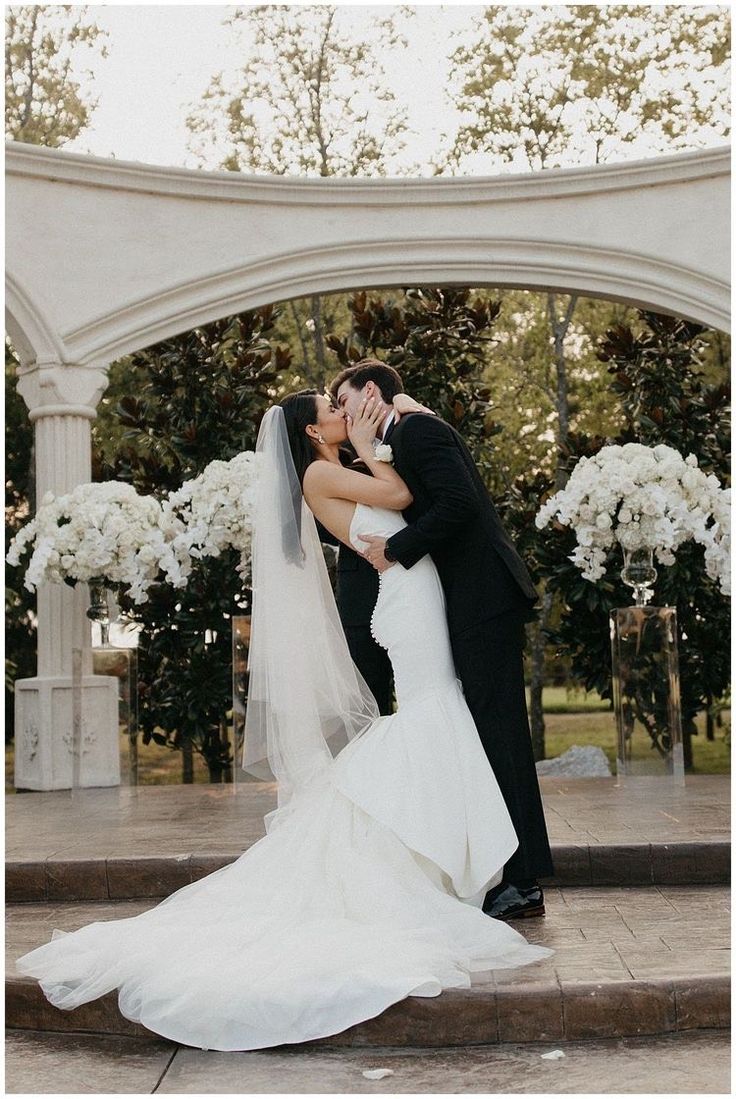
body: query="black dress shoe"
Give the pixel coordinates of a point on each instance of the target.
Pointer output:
(514, 902)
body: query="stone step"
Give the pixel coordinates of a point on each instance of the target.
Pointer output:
(143, 841)
(121, 877)
(695, 1062)
(624, 965)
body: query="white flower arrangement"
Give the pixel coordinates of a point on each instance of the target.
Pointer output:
(643, 497)
(213, 512)
(101, 531)
(105, 531)
(384, 453)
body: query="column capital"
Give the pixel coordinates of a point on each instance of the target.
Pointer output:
(53, 388)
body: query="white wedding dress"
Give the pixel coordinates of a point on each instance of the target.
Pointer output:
(366, 889)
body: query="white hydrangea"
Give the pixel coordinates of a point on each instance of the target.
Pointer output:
(100, 531)
(213, 512)
(640, 497)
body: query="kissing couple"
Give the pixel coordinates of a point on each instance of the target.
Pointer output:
(403, 841)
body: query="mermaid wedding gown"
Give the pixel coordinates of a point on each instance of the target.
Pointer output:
(366, 889)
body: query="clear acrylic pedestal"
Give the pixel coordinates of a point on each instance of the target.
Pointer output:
(646, 694)
(241, 644)
(122, 664)
(118, 663)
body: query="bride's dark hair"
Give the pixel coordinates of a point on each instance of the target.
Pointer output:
(300, 410)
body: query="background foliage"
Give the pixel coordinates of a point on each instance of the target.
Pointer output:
(657, 381)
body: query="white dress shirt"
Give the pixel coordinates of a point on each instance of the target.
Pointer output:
(387, 424)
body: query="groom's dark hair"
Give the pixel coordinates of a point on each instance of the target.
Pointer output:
(385, 377)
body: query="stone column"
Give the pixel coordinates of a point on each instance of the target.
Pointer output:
(62, 400)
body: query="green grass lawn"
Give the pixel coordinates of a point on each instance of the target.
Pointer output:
(571, 717)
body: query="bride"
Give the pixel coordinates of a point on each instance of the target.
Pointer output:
(389, 831)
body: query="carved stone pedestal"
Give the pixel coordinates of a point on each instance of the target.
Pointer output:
(44, 739)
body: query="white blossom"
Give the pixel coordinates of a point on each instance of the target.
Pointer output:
(643, 496)
(106, 531)
(214, 512)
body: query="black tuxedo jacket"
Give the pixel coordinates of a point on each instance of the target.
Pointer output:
(453, 519)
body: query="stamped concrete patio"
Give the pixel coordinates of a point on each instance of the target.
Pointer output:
(146, 841)
(641, 880)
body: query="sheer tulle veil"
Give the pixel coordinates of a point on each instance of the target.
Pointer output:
(306, 698)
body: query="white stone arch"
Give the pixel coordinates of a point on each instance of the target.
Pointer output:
(30, 336)
(105, 257)
(116, 255)
(604, 272)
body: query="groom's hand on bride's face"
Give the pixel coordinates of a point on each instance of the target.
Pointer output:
(374, 553)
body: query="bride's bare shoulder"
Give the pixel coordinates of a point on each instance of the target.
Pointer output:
(319, 474)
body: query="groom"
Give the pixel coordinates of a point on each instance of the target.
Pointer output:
(489, 596)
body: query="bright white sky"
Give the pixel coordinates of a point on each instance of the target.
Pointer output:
(163, 56)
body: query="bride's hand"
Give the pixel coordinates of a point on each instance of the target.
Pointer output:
(403, 403)
(363, 429)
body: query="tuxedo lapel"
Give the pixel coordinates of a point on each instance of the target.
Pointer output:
(387, 437)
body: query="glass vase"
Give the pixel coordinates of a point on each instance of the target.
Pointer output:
(99, 609)
(639, 573)
(118, 660)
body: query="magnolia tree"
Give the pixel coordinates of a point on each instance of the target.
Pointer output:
(560, 86)
(439, 339)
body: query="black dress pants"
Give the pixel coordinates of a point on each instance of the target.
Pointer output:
(373, 664)
(489, 662)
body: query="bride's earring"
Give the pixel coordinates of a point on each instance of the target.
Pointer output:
(320, 439)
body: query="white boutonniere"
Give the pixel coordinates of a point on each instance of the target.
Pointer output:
(384, 453)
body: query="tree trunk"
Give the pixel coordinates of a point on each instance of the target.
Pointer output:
(217, 752)
(318, 334)
(187, 762)
(558, 329)
(228, 751)
(710, 725)
(133, 757)
(536, 685)
(302, 342)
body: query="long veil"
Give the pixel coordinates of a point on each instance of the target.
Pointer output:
(306, 698)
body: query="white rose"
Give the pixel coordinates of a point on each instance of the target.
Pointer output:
(384, 453)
